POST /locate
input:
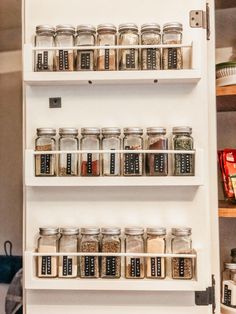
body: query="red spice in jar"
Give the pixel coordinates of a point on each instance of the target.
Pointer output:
(90, 169)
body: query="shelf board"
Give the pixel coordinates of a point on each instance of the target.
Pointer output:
(226, 98)
(226, 90)
(227, 210)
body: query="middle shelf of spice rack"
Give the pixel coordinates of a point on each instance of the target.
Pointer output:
(152, 181)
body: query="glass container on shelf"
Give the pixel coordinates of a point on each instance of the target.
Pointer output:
(229, 285)
(233, 255)
(64, 38)
(86, 36)
(68, 265)
(107, 58)
(172, 57)
(111, 162)
(47, 243)
(128, 36)
(150, 57)
(157, 163)
(44, 59)
(68, 162)
(111, 243)
(90, 162)
(89, 265)
(45, 164)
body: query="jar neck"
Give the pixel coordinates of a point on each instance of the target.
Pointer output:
(68, 136)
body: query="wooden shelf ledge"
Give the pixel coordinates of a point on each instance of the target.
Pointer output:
(227, 210)
(226, 98)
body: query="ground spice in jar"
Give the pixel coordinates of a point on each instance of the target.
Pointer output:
(182, 268)
(90, 168)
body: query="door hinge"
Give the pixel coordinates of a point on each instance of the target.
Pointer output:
(206, 297)
(201, 19)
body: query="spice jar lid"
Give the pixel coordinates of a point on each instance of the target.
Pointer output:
(108, 131)
(46, 131)
(41, 29)
(48, 231)
(182, 129)
(65, 28)
(134, 231)
(150, 27)
(233, 252)
(182, 231)
(156, 231)
(106, 27)
(128, 26)
(111, 230)
(156, 130)
(90, 131)
(69, 231)
(133, 131)
(173, 26)
(68, 131)
(90, 230)
(230, 266)
(86, 28)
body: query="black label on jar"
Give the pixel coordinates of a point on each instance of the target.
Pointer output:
(68, 163)
(159, 162)
(89, 163)
(85, 60)
(132, 162)
(185, 163)
(107, 59)
(67, 266)
(181, 267)
(46, 265)
(66, 60)
(151, 59)
(45, 60)
(112, 163)
(130, 59)
(137, 163)
(227, 295)
(39, 61)
(61, 60)
(156, 266)
(172, 58)
(89, 266)
(111, 266)
(135, 267)
(45, 162)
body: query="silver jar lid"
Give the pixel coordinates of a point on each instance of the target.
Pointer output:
(111, 131)
(68, 131)
(69, 231)
(134, 130)
(134, 231)
(173, 26)
(90, 230)
(65, 28)
(46, 131)
(182, 129)
(106, 27)
(111, 230)
(47, 231)
(45, 29)
(150, 27)
(156, 130)
(90, 131)
(230, 266)
(128, 26)
(156, 231)
(86, 28)
(182, 231)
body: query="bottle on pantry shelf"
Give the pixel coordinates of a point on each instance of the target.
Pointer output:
(107, 58)
(89, 265)
(68, 163)
(182, 140)
(111, 243)
(44, 59)
(172, 57)
(156, 243)
(90, 162)
(134, 243)
(157, 163)
(181, 243)
(64, 38)
(45, 164)
(133, 162)
(68, 265)
(128, 36)
(111, 162)
(150, 57)
(86, 36)
(233, 255)
(48, 243)
(229, 285)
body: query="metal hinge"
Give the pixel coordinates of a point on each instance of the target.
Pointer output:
(207, 297)
(201, 19)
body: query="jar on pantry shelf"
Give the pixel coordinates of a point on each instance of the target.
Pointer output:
(45, 164)
(128, 57)
(151, 57)
(89, 265)
(134, 243)
(156, 243)
(181, 243)
(111, 243)
(90, 162)
(48, 243)
(172, 57)
(107, 58)
(111, 162)
(157, 163)
(68, 162)
(64, 39)
(86, 36)
(233, 255)
(68, 265)
(133, 162)
(182, 140)
(44, 59)
(229, 285)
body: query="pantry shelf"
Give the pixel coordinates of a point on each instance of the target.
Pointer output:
(226, 98)
(227, 210)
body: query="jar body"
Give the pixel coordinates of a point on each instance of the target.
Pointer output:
(172, 57)
(64, 58)
(229, 287)
(111, 162)
(151, 57)
(129, 58)
(133, 163)
(111, 265)
(44, 59)
(68, 265)
(89, 265)
(45, 164)
(107, 58)
(183, 163)
(68, 163)
(90, 162)
(134, 266)
(156, 266)
(85, 59)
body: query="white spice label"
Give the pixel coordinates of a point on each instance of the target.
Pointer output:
(46, 265)
(45, 161)
(68, 163)
(172, 58)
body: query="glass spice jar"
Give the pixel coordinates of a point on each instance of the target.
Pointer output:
(64, 38)
(90, 162)
(68, 265)
(68, 163)
(44, 38)
(128, 36)
(182, 140)
(172, 57)
(107, 58)
(233, 255)
(111, 161)
(45, 164)
(111, 243)
(133, 163)
(48, 243)
(229, 285)
(151, 57)
(156, 243)
(134, 243)
(89, 265)
(157, 163)
(86, 36)
(181, 243)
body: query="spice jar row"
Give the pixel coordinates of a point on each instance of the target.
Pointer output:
(90, 59)
(109, 241)
(113, 164)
